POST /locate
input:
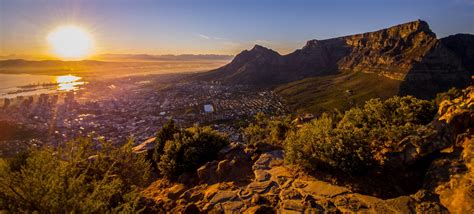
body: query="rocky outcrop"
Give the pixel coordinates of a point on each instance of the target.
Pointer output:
(409, 52)
(146, 147)
(454, 118)
(452, 177)
(278, 188)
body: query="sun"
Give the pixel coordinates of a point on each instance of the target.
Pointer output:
(70, 42)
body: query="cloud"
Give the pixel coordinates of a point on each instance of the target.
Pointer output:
(261, 41)
(204, 36)
(210, 37)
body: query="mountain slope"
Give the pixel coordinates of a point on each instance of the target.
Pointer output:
(249, 67)
(463, 46)
(339, 91)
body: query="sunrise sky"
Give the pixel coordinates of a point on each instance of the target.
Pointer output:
(215, 27)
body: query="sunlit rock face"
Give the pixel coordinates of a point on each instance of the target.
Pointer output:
(390, 52)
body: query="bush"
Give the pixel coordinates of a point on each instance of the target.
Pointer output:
(267, 131)
(80, 177)
(388, 121)
(349, 144)
(320, 144)
(184, 150)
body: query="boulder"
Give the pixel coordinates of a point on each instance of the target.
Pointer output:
(146, 147)
(319, 189)
(268, 160)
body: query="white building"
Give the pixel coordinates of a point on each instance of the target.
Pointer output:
(208, 108)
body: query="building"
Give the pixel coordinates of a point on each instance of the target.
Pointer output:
(208, 108)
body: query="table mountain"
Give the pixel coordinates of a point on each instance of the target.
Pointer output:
(409, 53)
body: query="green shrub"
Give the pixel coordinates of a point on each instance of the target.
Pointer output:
(81, 176)
(165, 134)
(320, 144)
(265, 130)
(349, 144)
(183, 150)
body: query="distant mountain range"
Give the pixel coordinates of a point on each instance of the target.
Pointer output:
(148, 57)
(409, 54)
(130, 57)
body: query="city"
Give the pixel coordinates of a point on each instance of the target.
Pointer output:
(116, 109)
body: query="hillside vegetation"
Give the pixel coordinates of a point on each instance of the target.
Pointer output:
(341, 91)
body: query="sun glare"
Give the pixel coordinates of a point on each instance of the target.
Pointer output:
(68, 82)
(70, 42)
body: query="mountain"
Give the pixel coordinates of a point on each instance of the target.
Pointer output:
(409, 53)
(250, 67)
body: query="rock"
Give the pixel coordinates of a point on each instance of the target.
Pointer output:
(223, 196)
(207, 171)
(175, 191)
(245, 194)
(233, 206)
(292, 206)
(430, 207)
(193, 195)
(402, 204)
(455, 184)
(231, 150)
(281, 175)
(261, 175)
(268, 160)
(235, 167)
(260, 187)
(321, 189)
(290, 194)
(349, 203)
(259, 209)
(191, 209)
(146, 147)
(224, 167)
(299, 184)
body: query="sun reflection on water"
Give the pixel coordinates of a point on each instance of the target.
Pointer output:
(68, 82)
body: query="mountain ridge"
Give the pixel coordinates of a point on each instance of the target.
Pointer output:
(408, 52)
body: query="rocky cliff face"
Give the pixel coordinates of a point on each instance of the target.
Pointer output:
(390, 52)
(408, 52)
